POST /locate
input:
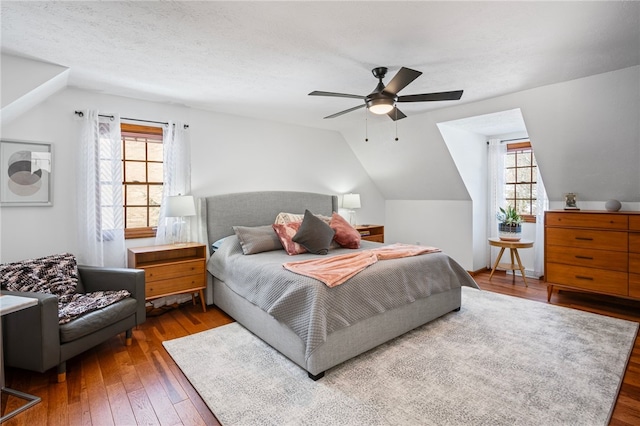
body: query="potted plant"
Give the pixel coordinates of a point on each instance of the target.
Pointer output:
(509, 228)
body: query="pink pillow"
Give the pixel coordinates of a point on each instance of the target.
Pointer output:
(346, 235)
(286, 232)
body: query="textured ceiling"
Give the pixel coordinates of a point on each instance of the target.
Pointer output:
(261, 59)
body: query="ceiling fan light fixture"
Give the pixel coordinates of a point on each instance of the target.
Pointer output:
(380, 106)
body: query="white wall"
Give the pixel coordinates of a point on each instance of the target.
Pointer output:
(229, 154)
(469, 151)
(445, 224)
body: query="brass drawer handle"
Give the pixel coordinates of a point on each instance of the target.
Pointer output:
(580, 277)
(584, 238)
(584, 257)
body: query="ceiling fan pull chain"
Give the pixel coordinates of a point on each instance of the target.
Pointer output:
(366, 125)
(396, 124)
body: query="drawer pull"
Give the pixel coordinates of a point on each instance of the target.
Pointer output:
(580, 277)
(584, 257)
(584, 238)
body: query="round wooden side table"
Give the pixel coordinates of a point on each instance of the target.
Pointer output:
(513, 247)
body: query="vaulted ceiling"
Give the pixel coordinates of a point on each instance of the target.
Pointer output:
(261, 59)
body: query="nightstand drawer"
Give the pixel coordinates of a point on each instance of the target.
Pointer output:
(634, 222)
(587, 220)
(374, 238)
(174, 270)
(174, 286)
(587, 238)
(599, 280)
(603, 259)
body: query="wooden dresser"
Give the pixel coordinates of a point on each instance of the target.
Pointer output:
(595, 251)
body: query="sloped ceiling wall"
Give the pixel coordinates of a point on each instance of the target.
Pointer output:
(585, 134)
(26, 83)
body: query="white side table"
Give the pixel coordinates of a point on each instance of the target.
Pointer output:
(8, 305)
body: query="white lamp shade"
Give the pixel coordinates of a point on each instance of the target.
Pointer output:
(180, 206)
(351, 201)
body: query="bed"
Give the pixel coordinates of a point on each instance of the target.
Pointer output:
(315, 326)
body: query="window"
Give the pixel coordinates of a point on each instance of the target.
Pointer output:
(142, 180)
(521, 172)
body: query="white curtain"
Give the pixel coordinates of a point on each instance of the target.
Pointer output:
(177, 176)
(497, 151)
(542, 206)
(177, 181)
(99, 192)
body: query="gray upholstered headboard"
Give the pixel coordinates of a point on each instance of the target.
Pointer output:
(222, 212)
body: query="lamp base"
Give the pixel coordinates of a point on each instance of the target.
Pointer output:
(352, 218)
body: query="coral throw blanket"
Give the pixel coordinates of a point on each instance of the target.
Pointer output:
(335, 270)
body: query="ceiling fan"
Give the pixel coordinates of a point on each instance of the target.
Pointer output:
(383, 98)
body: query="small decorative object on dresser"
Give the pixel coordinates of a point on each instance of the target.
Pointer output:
(613, 205)
(172, 269)
(570, 201)
(373, 233)
(509, 228)
(593, 251)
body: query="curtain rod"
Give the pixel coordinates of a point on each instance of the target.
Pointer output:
(516, 139)
(511, 140)
(81, 114)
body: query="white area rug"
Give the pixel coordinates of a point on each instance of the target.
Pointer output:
(499, 361)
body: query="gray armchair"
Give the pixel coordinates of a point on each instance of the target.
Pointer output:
(34, 339)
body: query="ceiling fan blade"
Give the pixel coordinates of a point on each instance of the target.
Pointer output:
(336, 95)
(428, 97)
(337, 114)
(396, 114)
(401, 80)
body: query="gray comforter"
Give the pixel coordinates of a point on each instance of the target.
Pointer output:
(313, 310)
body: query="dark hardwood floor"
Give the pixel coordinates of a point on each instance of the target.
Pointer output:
(140, 384)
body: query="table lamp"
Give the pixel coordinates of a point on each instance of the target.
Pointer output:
(350, 202)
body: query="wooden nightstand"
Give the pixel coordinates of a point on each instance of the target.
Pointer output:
(373, 233)
(171, 269)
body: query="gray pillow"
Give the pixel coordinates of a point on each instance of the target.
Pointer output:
(314, 234)
(257, 239)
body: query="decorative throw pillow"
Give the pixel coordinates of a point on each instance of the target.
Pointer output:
(314, 234)
(284, 217)
(285, 234)
(257, 239)
(346, 235)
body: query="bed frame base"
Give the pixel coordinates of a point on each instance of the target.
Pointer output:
(343, 344)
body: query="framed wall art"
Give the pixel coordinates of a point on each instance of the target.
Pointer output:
(25, 173)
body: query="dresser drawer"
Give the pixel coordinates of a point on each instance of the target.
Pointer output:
(587, 238)
(173, 286)
(634, 285)
(634, 242)
(587, 220)
(173, 270)
(634, 222)
(599, 280)
(602, 259)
